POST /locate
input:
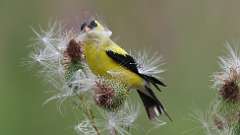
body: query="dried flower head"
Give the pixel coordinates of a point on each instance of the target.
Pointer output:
(223, 117)
(214, 124)
(73, 58)
(75, 50)
(230, 91)
(110, 94)
(227, 80)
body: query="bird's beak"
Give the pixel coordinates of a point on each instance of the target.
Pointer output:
(84, 27)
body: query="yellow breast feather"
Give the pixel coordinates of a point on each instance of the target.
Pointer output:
(101, 64)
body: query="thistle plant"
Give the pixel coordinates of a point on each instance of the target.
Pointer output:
(63, 65)
(224, 116)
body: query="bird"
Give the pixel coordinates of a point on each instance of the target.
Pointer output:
(105, 58)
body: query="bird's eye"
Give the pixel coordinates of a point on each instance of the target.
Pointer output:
(92, 24)
(83, 26)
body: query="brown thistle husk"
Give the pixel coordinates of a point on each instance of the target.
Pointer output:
(110, 95)
(230, 91)
(72, 58)
(73, 52)
(104, 94)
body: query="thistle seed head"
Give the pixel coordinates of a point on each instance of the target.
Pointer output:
(75, 50)
(104, 94)
(230, 91)
(110, 94)
(227, 79)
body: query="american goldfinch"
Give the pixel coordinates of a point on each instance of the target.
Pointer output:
(107, 59)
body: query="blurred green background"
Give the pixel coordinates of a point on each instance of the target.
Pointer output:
(189, 34)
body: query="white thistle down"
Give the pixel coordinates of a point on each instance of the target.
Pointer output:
(48, 49)
(83, 81)
(80, 82)
(117, 122)
(148, 64)
(212, 122)
(157, 123)
(210, 125)
(229, 67)
(85, 128)
(49, 52)
(122, 119)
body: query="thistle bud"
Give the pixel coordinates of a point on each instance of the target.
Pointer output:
(230, 91)
(72, 60)
(110, 94)
(74, 50)
(226, 82)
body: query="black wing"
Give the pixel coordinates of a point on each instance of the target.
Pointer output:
(124, 60)
(128, 62)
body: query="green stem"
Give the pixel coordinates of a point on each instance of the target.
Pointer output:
(88, 112)
(113, 131)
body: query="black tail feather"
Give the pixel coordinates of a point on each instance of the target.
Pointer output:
(152, 105)
(154, 81)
